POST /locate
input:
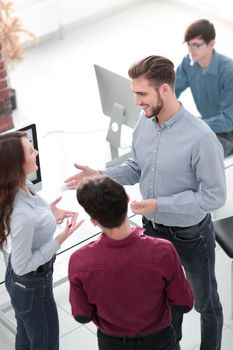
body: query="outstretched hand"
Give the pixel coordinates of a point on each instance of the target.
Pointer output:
(73, 181)
(144, 207)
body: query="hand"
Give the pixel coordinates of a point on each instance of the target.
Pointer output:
(71, 226)
(73, 181)
(60, 214)
(145, 207)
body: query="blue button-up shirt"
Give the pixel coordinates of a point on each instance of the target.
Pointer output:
(180, 164)
(212, 90)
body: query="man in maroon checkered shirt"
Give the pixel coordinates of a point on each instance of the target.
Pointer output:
(127, 283)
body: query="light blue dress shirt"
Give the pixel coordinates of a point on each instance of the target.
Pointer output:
(32, 227)
(180, 164)
(212, 90)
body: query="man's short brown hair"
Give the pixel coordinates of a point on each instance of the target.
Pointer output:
(104, 199)
(156, 69)
(201, 28)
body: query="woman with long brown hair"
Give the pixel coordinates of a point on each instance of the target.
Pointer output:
(30, 222)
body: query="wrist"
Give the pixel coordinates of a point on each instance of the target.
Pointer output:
(62, 237)
(155, 204)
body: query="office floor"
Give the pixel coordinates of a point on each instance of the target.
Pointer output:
(56, 89)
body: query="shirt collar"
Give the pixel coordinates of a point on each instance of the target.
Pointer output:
(168, 123)
(25, 197)
(134, 236)
(213, 65)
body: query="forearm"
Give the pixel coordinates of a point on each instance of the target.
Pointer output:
(197, 203)
(223, 122)
(126, 174)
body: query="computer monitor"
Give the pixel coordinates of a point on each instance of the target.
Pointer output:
(115, 91)
(117, 102)
(34, 177)
(30, 129)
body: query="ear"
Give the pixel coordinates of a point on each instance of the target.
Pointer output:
(211, 44)
(94, 222)
(164, 90)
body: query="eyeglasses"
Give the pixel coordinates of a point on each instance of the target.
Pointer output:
(196, 46)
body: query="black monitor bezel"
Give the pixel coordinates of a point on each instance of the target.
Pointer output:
(32, 127)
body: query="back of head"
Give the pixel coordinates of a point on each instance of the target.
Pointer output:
(156, 69)
(11, 176)
(201, 28)
(104, 199)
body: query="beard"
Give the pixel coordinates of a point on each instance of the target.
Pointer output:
(156, 109)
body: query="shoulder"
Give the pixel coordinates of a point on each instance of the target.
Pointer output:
(22, 205)
(159, 251)
(194, 124)
(224, 59)
(158, 244)
(186, 61)
(225, 64)
(196, 131)
(84, 252)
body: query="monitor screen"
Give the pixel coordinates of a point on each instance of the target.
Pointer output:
(30, 129)
(116, 95)
(34, 177)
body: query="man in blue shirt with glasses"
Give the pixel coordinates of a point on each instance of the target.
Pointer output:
(210, 78)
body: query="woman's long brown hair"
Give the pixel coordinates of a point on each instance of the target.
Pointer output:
(11, 177)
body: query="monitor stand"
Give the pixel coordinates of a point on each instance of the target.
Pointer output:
(114, 135)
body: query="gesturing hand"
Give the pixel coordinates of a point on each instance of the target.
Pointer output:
(73, 181)
(144, 207)
(60, 214)
(71, 226)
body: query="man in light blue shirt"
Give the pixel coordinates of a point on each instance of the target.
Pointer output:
(210, 78)
(178, 162)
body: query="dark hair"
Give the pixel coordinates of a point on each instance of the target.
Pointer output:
(200, 28)
(11, 177)
(157, 69)
(104, 199)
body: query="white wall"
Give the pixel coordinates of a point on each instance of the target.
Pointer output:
(43, 17)
(220, 8)
(38, 16)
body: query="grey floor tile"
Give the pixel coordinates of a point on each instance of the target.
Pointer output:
(227, 339)
(81, 339)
